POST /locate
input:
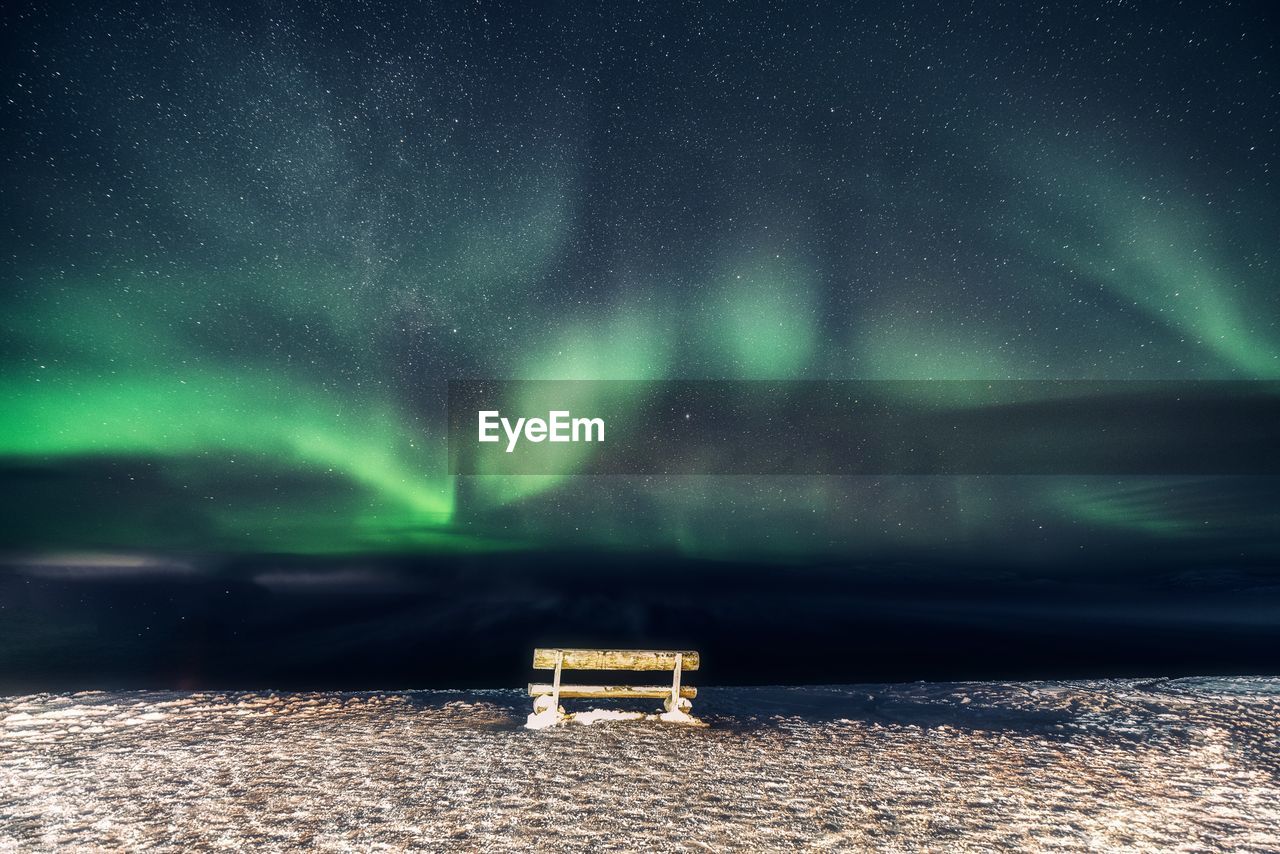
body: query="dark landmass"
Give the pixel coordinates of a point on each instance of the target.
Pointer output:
(396, 623)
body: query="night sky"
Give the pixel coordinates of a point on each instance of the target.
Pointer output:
(244, 250)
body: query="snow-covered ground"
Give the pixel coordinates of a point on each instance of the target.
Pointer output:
(1188, 764)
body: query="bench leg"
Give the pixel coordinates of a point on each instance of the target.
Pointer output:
(555, 683)
(675, 701)
(682, 704)
(547, 702)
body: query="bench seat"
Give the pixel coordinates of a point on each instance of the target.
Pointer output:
(615, 659)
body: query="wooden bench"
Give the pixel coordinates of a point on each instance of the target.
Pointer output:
(676, 697)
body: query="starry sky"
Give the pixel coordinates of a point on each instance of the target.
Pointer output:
(244, 250)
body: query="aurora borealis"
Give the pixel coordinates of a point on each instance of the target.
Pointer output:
(245, 249)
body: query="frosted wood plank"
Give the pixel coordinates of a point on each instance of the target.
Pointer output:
(615, 659)
(657, 692)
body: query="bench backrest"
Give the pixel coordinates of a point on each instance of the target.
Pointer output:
(614, 659)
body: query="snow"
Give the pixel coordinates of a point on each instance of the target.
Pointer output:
(1074, 766)
(549, 718)
(542, 720)
(593, 716)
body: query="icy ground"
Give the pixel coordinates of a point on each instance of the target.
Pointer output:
(1188, 764)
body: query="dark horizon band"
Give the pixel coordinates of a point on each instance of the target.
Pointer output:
(875, 427)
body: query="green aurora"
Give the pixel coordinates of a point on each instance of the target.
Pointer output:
(236, 289)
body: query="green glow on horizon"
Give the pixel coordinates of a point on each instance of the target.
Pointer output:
(627, 346)
(763, 320)
(1134, 508)
(1150, 245)
(117, 376)
(894, 347)
(225, 416)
